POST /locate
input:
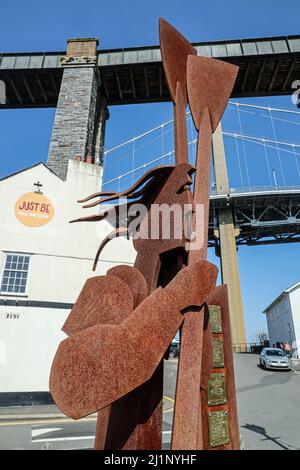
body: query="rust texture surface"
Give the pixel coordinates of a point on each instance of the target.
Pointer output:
(175, 50)
(102, 366)
(219, 297)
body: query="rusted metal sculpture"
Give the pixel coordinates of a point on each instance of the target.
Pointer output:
(175, 50)
(102, 366)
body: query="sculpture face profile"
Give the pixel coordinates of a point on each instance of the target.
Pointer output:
(101, 366)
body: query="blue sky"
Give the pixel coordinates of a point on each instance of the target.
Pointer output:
(44, 26)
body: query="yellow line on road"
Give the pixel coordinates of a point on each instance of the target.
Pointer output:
(169, 399)
(172, 401)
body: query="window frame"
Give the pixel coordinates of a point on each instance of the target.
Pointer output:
(15, 294)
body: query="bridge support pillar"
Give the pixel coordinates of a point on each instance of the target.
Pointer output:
(81, 113)
(228, 251)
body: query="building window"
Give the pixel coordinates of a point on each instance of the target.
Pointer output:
(15, 273)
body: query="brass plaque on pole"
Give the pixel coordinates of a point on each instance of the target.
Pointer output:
(216, 390)
(218, 353)
(215, 318)
(218, 428)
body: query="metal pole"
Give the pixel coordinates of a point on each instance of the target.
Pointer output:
(227, 233)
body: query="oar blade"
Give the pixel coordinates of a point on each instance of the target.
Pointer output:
(209, 85)
(175, 50)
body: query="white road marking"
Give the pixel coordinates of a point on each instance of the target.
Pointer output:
(75, 438)
(38, 432)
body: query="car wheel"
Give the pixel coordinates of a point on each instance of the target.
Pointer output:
(263, 365)
(260, 363)
(172, 355)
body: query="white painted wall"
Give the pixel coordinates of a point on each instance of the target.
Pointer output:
(61, 261)
(295, 307)
(27, 346)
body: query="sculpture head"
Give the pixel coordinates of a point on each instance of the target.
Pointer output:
(168, 185)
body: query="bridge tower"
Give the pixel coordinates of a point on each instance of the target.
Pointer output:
(226, 233)
(81, 112)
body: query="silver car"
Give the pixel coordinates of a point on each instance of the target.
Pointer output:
(274, 358)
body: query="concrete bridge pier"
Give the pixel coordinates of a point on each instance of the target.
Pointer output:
(81, 113)
(227, 233)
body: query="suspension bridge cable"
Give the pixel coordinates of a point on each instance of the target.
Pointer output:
(296, 160)
(243, 144)
(238, 107)
(137, 149)
(265, 115)
(267, 145)
(170, 155)
(267, 159)
(239, 161)
(280, 142)
(234, 103)
(132, 161)
(162, 138)
(138, 137)
(279, 110)
(278, 153)
(192, 129)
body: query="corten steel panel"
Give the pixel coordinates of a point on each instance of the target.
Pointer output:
(210, 83)
(172, 188)
(163, 185)
(220, 297)
(88, 374)
(175, 50)
(207, 101)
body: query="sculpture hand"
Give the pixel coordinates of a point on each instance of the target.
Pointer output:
(102, 363)
(193, 284)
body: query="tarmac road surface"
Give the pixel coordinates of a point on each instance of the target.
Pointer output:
(268, 404)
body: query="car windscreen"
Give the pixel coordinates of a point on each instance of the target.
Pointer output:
(275, 352)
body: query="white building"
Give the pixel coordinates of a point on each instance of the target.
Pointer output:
(283, 319)
(44, 263)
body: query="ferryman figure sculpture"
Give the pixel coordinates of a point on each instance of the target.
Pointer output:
(101, 366)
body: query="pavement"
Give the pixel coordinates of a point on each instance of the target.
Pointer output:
(14, 413)
(295, 364)
(268, 405)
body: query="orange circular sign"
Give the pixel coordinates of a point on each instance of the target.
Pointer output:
(34, 209)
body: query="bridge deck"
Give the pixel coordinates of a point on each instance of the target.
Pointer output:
(263, 216)
(268, 66)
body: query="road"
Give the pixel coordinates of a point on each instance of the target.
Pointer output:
(68, 434)
(268, 403)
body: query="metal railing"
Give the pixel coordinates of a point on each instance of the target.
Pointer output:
(257, 189)
(252, 348)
